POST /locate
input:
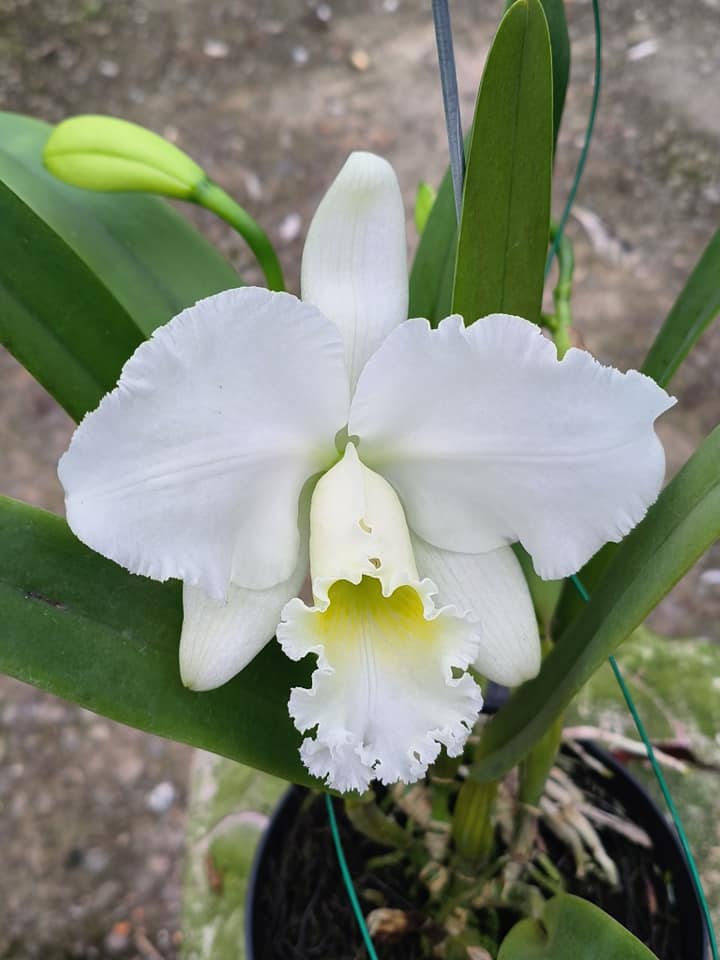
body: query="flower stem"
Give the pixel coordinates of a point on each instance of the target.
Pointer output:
(211, 196)
(472, 827)
(367, 817)
(536, 767)
(534, 770)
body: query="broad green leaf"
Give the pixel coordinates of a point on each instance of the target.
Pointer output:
(55, 315)
(560, 48)
(506, 205)
(572, 929)
(81, 627)
(150, 258)
(677, 530)
(695, 308)
(434, 263)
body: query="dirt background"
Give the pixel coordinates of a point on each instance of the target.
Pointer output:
(270, 97)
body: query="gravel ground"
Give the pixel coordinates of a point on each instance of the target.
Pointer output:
(270, 97)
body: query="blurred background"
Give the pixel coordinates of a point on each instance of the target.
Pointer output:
(270, 97)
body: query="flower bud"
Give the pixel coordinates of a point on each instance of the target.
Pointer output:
(105, 153)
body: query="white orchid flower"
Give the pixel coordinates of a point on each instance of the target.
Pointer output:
(422, 454)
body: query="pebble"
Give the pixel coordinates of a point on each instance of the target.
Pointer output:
(300, 56)
(273, 27)
(118, 940)
(646, 48)
(109, 69)
(290, 227)
(100, 732)
(216, 49)
(360, 59)
(253, 185)
(128, 768)
(161, 797)
(95, 860)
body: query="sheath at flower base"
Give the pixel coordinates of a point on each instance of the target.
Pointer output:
(257, 437)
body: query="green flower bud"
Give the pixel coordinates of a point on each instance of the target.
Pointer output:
(104, 153)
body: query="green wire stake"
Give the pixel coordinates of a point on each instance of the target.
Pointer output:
(451, 100)
(347, 879)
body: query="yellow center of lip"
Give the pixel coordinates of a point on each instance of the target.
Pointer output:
(393, 625)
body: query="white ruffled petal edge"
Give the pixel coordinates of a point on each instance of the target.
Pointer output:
(386, 694)
(193, 466)
(488, 439)
(492, 589)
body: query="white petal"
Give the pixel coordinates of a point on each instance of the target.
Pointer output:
(219, 637)
(384, 696)
(354, 265)
(192, 467)
(488, 439)
(491, 588)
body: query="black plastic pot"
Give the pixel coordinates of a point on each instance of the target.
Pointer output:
(640, 807)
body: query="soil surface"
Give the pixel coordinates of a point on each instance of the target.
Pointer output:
(270, 97)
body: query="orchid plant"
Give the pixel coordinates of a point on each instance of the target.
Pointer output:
(384, 496)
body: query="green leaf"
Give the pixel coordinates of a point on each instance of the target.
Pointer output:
(572, 929)
(150, 258)
(560, 48)
(675, 533)
(434, 263)
(424, 200)
(695, 308)
(506, 206)
(55, 315)
(83, 628)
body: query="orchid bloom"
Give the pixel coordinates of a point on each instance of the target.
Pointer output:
(257, 436)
